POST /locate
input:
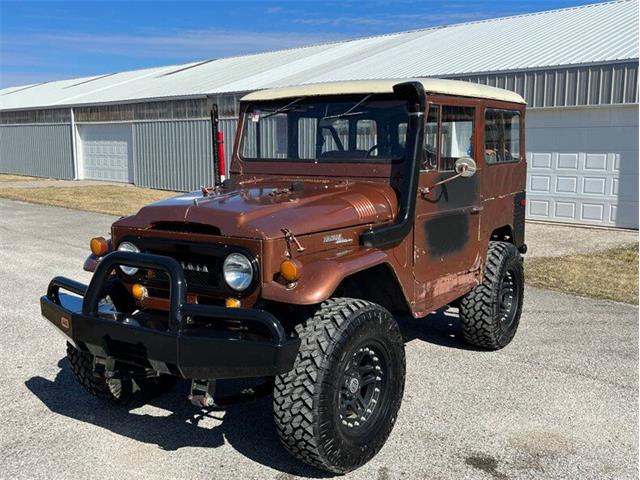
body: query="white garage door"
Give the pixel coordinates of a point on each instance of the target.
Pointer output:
(583, 165)
(106, 152)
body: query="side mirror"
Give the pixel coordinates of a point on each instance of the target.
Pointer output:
(465, 167)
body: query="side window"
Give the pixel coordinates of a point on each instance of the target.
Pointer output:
(335, 135)
(307, 128)
(430, 157)
(501, 136)
(456, 135)
(402, 134)
(367, 136)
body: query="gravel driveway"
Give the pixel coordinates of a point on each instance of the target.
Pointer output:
(560, 402)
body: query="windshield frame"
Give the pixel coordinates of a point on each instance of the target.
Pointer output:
(378, 163)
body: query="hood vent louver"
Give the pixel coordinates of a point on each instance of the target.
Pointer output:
(186, 227)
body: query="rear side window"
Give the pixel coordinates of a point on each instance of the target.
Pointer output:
(501, 136)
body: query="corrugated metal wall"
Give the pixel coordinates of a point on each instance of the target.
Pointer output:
(571, 86)
(176, 155)
(36, 150)
(173, 151)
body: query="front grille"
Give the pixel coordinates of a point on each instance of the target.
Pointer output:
(201, 263)
(200, 279)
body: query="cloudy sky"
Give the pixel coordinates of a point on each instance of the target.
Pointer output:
(49, 40)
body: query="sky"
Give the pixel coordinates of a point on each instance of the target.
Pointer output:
(51, 40)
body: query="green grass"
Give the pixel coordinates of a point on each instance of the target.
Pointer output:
(609, 274)
(110, 199)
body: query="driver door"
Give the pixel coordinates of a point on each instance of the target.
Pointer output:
(446, 245)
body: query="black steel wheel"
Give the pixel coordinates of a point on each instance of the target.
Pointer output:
(490, 313)
(363, 387)
(336, 408)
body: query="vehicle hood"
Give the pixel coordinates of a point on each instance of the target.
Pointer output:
(261, 208)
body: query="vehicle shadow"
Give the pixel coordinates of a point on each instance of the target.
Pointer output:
(439, 328)
(248, 427)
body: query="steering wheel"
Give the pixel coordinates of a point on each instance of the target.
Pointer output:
(371, 150)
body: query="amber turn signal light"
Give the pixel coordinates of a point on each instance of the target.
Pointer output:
(290, 270)
(232, 302)
(138, 291)
(99, 246)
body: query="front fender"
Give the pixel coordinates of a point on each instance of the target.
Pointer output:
(321, 276)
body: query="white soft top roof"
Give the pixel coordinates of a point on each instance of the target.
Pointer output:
(431, 85)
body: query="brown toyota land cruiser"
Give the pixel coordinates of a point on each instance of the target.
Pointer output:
(348, 204)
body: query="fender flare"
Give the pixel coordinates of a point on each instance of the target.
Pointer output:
(322, 276)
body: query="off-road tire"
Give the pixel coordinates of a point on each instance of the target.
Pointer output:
(480, 309)
(307, 400)
(123, 391)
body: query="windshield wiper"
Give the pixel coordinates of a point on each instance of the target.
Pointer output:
(351, 110)
(284, 108)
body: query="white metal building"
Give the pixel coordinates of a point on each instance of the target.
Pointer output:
(577, 68)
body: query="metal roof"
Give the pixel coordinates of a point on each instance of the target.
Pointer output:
(597, 33)
(433, 85)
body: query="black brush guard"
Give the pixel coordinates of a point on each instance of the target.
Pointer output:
(179, 348)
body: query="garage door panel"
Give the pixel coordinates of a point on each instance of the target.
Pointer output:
(106, 151)
(539, 183)
(583, 165)
(594, 186)
(566, 185)
(567, 161)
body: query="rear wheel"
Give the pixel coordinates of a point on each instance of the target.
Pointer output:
(490, 313)
(123, 390)
(336, 408)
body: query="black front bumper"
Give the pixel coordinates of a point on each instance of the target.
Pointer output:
(175, 347)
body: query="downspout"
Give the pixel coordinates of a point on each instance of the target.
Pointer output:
(74, 149)
(385, 235)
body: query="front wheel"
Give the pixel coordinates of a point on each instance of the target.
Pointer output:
(337, 406)
(125, 390)
(490, 313)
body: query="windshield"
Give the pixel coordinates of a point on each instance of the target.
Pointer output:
(355, 129)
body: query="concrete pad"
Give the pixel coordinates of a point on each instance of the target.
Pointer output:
(551, 240)
(561, 401)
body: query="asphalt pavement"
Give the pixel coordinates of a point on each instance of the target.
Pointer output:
(560, 402)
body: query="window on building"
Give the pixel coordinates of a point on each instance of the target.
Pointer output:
(501, 136)
(456, 135)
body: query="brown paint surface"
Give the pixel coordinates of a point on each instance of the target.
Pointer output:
(336, 204)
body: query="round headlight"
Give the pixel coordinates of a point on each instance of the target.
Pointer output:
(128, 247)
(238, 271)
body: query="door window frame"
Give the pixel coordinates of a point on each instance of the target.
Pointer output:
(478, 123)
